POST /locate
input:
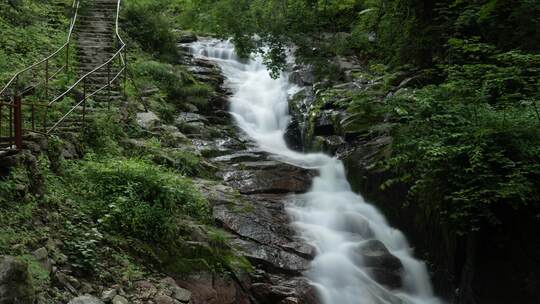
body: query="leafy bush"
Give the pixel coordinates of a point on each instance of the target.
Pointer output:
(102, 133)
(145, 22)
(26, 35)
(139, 199)
(466, 161)
(82, 246)
(468, 147)
(178, 86)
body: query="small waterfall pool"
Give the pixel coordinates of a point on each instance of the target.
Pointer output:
(337, 221)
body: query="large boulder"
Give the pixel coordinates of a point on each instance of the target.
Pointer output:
(327, 123)
(208, 288)
(86, 299)
(15, 282)
(268, 177)
(285, 291)
(186, 37)
(293, 136)
(383, 266)
(147, 120)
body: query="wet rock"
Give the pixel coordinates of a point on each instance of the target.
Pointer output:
(325, 123)
(301, 248)
(217, 146)
(87, 299)
(147, 120)
(384, 267)
(357, 224)
(284, 290)
(293, 136)
(42, 257)
(186, 37)
(289, 300)
(15, 282)
(145, 289)
(172, 137)
(375, 254)
(86, 288)
(330, 144)
(108, 295)
(119, 300)
(187, 117)
(220, 105)
(215, 80)
(253, 223)
(239, 157)
(302, 75)
(213, 289)
(66, 281)
(190, 122)
(268, 177)
(163, 299)
(272, 258)
(181, 294)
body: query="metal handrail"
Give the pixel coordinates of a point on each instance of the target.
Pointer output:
(117, 54)
(15, 115)
(74, 6)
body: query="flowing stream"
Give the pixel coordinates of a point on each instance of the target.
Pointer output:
(331, 217)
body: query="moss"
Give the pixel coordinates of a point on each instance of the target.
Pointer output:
(215, 256)
(40, 276)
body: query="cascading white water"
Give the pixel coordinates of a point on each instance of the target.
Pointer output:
(330, 216)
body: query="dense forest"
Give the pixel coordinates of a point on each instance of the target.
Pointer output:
(467, 137)
(433, 107)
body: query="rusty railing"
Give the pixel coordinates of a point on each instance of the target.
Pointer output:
(31, 79)
(119, 58)
(18, 117)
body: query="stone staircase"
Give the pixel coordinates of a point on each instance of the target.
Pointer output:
(95, 36)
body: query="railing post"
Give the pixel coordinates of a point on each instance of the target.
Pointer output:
(33, 117)
(67, 57)
(109, 84)
(84, 104)
(45, 118)
(125, 71)
(11, 124)
(47, 79)
(17, 121)
(1, 104)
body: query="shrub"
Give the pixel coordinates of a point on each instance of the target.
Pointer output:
(178, 86)
(139, 199)
(102, 133)
(150, 28)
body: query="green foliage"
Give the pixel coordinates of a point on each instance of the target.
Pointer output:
(184, 162)
(468, 147)
(102, 133)
(145, 23)
(397, 32)
(138, 199)
(13, 187)
(465, 161)
(82, 246)
(27, 33)
(40, 276)
(178, 86)
(127, 269)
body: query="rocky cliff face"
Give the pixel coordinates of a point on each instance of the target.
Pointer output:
(247, 191)
(465, 268)
(248, 201)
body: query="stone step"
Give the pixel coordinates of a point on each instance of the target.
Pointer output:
(91, 33)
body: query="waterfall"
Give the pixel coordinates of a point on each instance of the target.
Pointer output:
(336, 221)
